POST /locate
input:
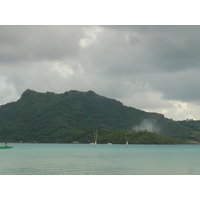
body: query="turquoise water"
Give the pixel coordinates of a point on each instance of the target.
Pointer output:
(85, 159)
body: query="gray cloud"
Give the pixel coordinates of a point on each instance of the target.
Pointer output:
(148, 67)
(38, 43)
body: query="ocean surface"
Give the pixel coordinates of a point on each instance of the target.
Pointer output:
(85, 159)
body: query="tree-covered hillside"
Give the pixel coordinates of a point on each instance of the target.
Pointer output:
(73, 115)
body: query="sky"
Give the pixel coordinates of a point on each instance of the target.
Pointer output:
(151, 68)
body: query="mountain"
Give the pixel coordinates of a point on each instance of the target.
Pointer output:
(73, 115)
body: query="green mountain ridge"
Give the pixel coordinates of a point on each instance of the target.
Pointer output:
(74, 115)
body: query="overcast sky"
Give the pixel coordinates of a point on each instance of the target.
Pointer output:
(152, 68)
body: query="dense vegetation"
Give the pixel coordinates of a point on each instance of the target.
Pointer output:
(73, 116)
(139, 137)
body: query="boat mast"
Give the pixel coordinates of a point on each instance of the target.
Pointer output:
(126, 139)
(95, 137)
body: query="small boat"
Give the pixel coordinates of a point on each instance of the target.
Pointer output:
(8, 147)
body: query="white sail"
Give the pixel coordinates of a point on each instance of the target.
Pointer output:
(95, 137)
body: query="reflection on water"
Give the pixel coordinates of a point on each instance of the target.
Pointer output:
(84, 159)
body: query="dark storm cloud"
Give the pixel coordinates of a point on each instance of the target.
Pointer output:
(181, 85)
(147, 66)
(157, 55)
(150, 49)
(167, 48)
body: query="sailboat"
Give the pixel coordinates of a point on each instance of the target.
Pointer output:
(126, 139)
(95, 137)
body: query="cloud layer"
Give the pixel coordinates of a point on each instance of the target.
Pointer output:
(153, 68)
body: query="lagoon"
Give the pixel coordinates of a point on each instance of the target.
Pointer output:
(85, 159)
